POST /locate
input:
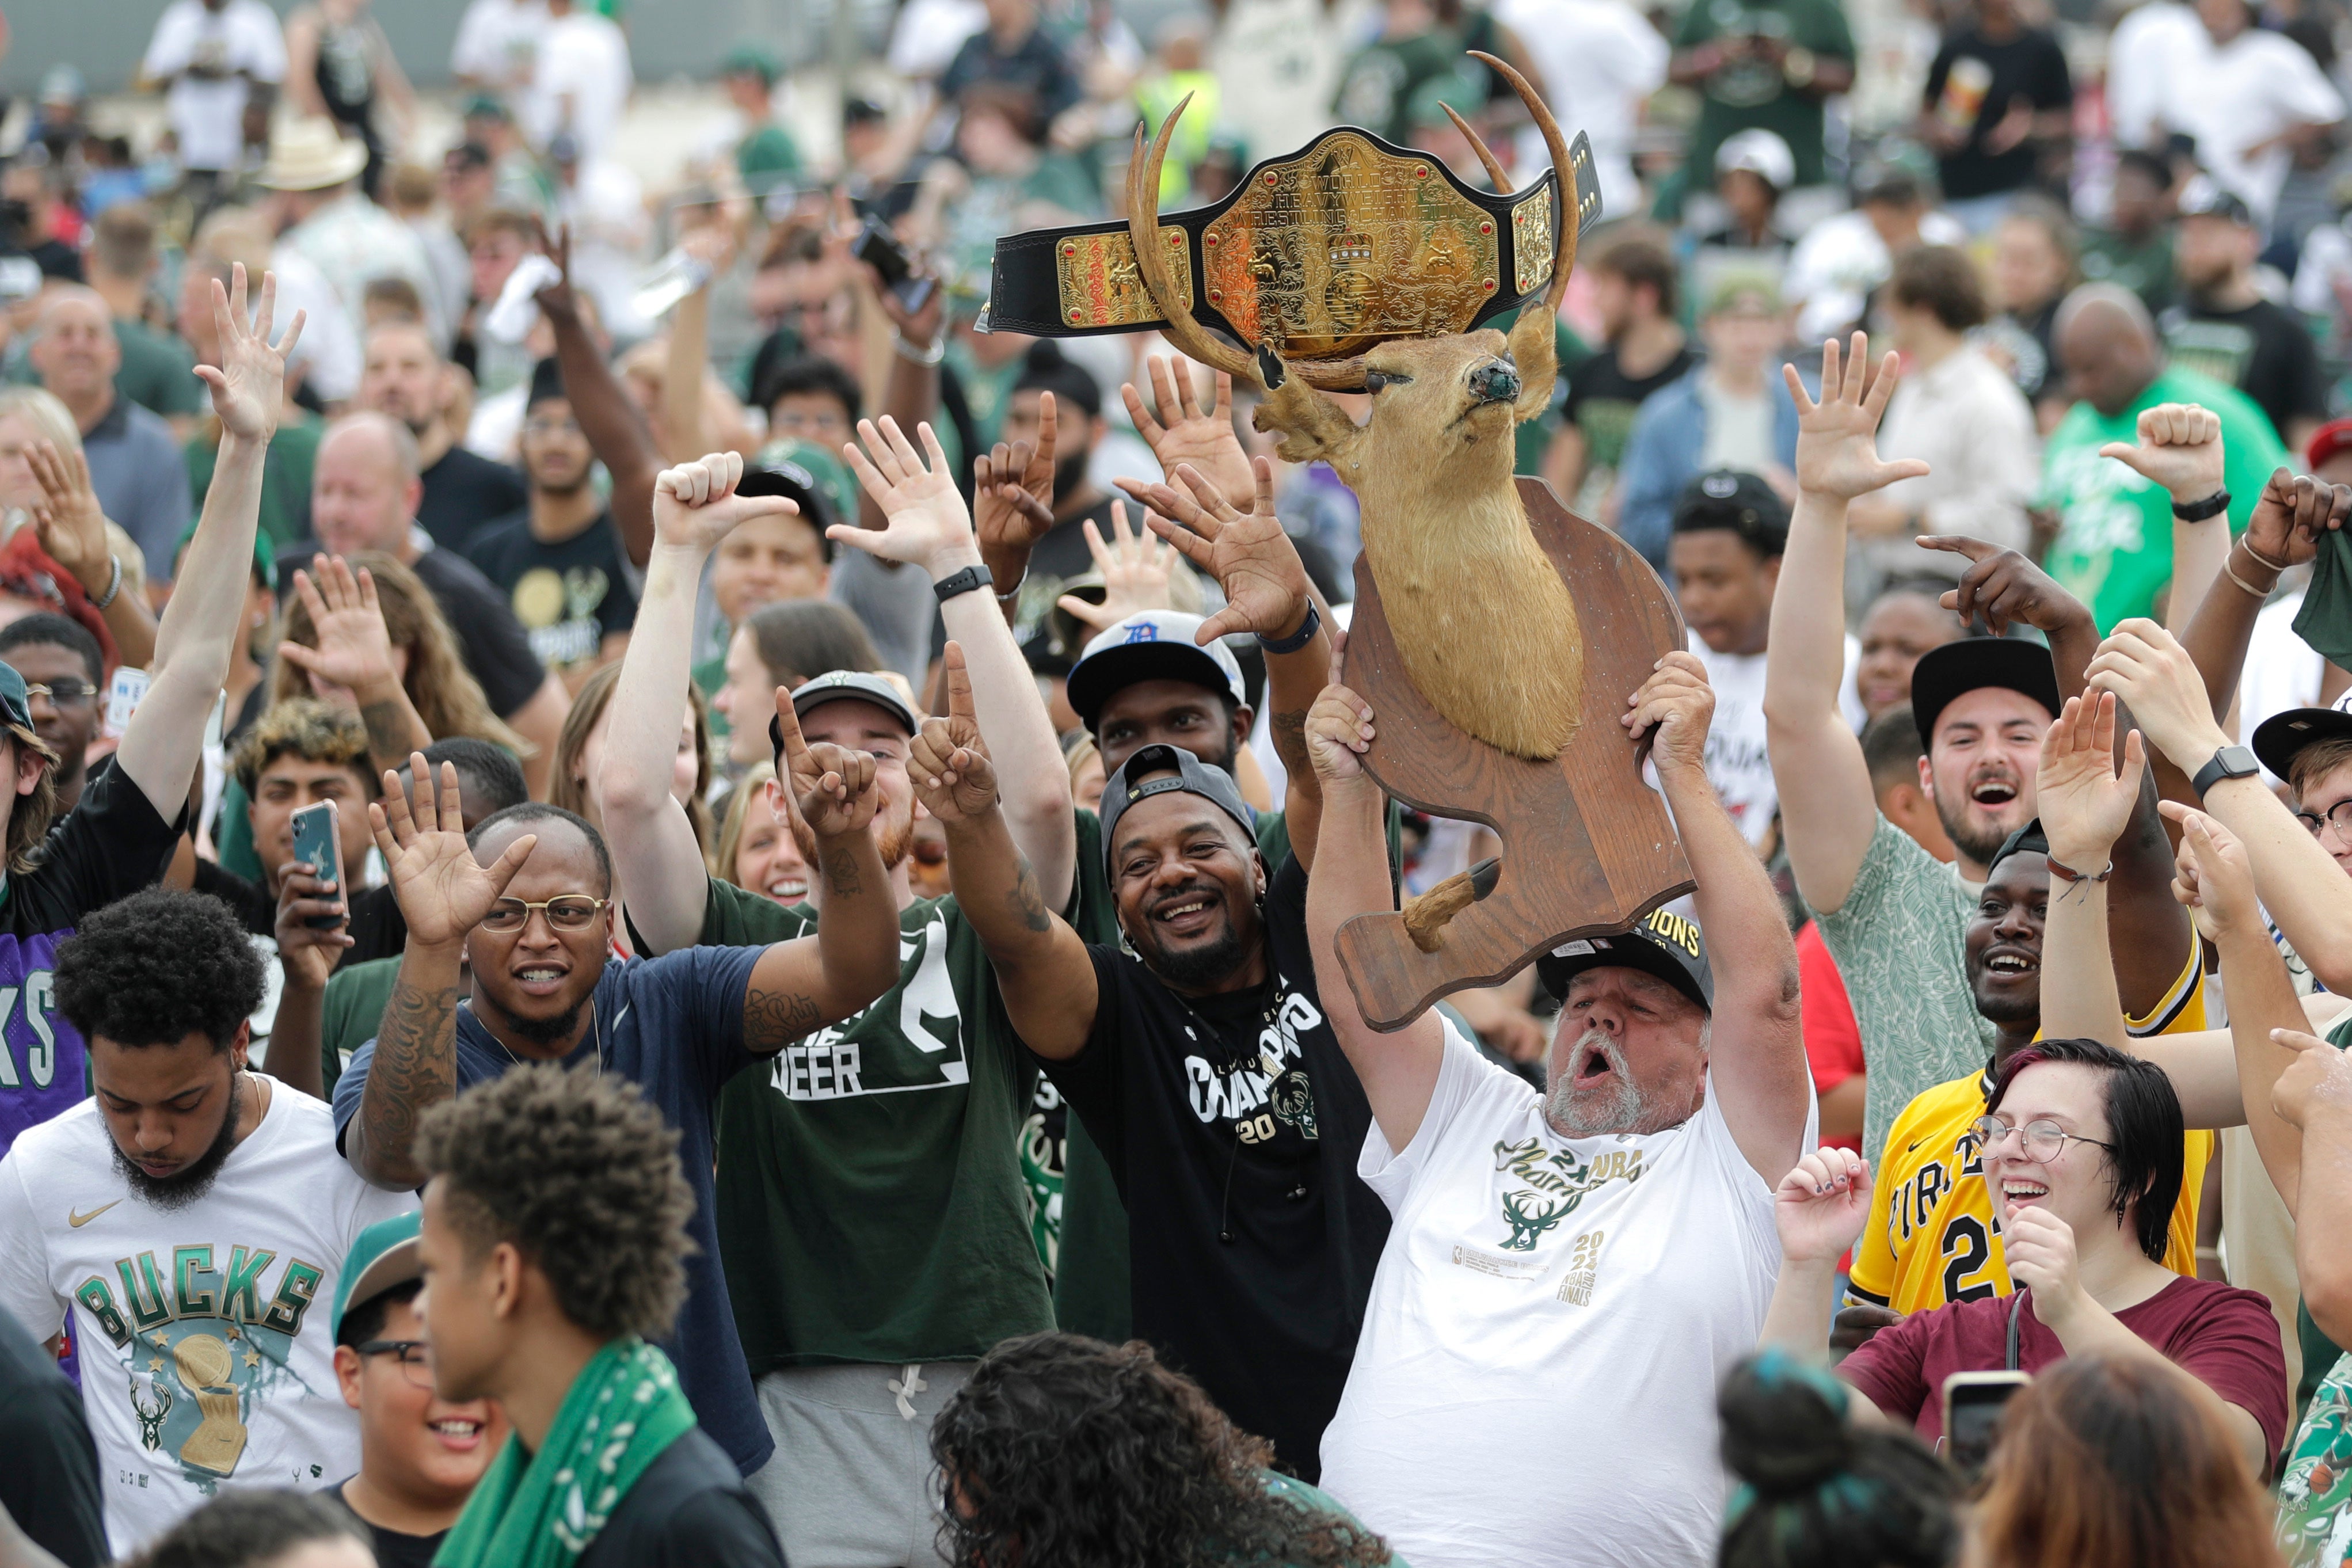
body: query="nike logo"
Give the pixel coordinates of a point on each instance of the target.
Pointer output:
(79, 1220)
(1914, 1149)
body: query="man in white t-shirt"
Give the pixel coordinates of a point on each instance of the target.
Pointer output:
(497, 42)
(209, 53)
(188, 1225)
(2251, 98)
(1600, 60)
(580, 80)
(1568, 1274)
(1730, 530)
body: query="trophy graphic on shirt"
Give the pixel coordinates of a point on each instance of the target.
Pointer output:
(218, 1441)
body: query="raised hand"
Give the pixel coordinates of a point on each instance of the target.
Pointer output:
(2290, 515)
(308, 952)
(557, 297)
(2039, 1248)
(1202, 438)
(2179, 448)
(1013, 490)
(1675, 705)
(927, 521)
(1820, 1206)
(354, 649)
(2211, 874)
(249, 385)
(1837, 437)
(2004, 587)
(833, 786)
(443, 891)
(695, 504)
(2316, 1084)
(1248, 553)
(1135, 569)
(1339, 729)
(948, 762)
(2147, 667)
(2084, 805)
(72, 524)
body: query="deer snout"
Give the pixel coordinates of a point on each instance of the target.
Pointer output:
(1497, 381)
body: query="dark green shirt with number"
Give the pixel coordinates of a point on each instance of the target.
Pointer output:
(1753, 92)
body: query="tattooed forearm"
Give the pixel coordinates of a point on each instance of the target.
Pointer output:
(1289, 732)
(1028, 903)
(774, 1019)
(394, 731)
(415, 1068)
(841, 880)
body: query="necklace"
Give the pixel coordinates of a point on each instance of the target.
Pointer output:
(595, 1023)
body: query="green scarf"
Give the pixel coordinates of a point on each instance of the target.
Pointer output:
(2325, 619)
(623, 1411)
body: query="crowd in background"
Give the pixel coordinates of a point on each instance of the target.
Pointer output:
(838, 820)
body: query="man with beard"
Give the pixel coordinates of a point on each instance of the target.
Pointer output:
(195, 1211)
(1891, 914)
(876, 1161)
(405, 378)
(1572, 1272)
(560, 560)
(1197, 1054)
(1056, 407)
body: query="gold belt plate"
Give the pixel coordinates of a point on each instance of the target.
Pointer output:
(1101, 286)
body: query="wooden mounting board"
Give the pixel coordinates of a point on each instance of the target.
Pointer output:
(1588, 846)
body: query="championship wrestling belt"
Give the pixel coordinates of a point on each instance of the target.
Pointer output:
(1318, 256)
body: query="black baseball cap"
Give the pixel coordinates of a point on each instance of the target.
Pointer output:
(2278, 738)
(1190, 776)
(2200, 197)
(1664, 944)
(1945, 674)
(839, 685)
(1738, 501)
(2027, 840)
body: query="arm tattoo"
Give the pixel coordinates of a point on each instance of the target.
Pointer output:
(774, 1019)
(415, 1068)
(841, 877)
(388, 734)
(1027, 903)
(1288, 732)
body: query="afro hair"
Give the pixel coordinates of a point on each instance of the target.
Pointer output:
(156, 967)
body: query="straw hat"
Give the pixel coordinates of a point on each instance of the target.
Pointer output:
(310, 155)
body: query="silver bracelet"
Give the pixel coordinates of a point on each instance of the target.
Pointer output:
(113, 583)
(905, 351)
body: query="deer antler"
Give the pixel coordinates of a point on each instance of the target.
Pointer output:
(1477, 145)
(1152, 257)
(1557, 146)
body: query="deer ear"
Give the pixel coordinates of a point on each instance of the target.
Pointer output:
(1532, 347)
(1313, 428)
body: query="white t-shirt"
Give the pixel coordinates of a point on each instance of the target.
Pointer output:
(2282, 670)
(2153, 58)
(1738, 764)
(2247, 93)
(584, 57)
(208, 114)
(201, 1331)
(1536, 1380)
(497, 40)
(1600, 60)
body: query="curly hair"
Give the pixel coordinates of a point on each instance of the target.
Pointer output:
(156, 967)
(1064, 1452)
(581, 1173)
(446, 694)
(307, 728)
(568, 788)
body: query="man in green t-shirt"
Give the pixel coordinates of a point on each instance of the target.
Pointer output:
(765, 155)
(2114, 547)
(1377, 86)
(1766, 64)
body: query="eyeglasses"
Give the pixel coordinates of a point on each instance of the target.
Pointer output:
(2041, 1140)
(542, 429)
(71, 693)
(413, 1365)
(2338, 816)
(565, 911)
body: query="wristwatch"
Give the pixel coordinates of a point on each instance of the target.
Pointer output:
(2228, 762)
(962, 581)
(2211, 506)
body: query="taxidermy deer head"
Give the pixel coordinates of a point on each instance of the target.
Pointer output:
(1486, 627)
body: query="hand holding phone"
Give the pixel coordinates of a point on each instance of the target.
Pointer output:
(1973, 1402)
(315, 840)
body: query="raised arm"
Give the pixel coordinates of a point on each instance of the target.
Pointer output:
(1179, 431)
(695, 506)
(2284, 533)
(805, 984)
(1828, 811)
(353, 651)
(444, 893)
(1819, 1209)
(608, 417)
(2314, 1096)
(1756, 1055)
(1399, 1071)
(203, 621)
(73, 531)
(1041, 966)
(2083, 807)
(930, 528)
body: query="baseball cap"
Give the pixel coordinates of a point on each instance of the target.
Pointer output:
(863, 686)
(1663, 944)
(2200, 197)
(1761, 154)
(2027, 840)
(1150, 645)
(1190, 776)
(750, 57)
(2278, 738)
(2330, 438)
(1947, 673)
(15, 703)
(385, 1254)
(1742, 502)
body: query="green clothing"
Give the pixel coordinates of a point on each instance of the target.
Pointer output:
(158, 371)
(2114, 549)
(2143, 267)
(286, 472)
(1755, 92)
(1313, 1499)
(233, 833)
(871, 1207)
(1532, 438)
(2314, 1486)
(985, 390)
(1377, 87)
(1896, 940)
(542, 1510)
(1156, 98)
(2327, 603)
(356, 996)
(767, 158)
(831, 475)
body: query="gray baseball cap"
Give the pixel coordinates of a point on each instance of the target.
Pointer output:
(1190, 776)
(860, 685)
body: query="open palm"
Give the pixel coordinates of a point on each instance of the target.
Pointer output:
(249, 385)
(1837, 437)
(355, 650)
(443, 891)
(1247, 553)
(1203, 438)
(2082, 804)
(925, 514)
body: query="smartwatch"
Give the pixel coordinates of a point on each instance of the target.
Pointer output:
(2228, 762)
(962, 581)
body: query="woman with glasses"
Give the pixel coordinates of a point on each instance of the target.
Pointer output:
(2081, 1147)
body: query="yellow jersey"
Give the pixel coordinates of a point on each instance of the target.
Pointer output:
(1932, 1236)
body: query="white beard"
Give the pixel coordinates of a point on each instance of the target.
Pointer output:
(1617, 1107)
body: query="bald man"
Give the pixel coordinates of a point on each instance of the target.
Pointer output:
(364, 495)
(2114, 544)
(135, 463)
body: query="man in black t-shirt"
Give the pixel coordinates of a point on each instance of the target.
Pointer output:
(1197, 1056)
(1076, 402)
(560, 560)
(2226, 329)
(1633, 287)
(405, 379)
(1997, 93)
(49, 1485)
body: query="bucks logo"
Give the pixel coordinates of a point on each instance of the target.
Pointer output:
(1557, 1182)
(1529, 1217)
(150, 1416)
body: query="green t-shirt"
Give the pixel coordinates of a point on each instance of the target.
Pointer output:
(349, 1017)
(2145, 268)
(2314, 1484)
(2113, 548)
(1755, 92)
(158, 371)
(1377, 87)
(286, 471)
(985, 390)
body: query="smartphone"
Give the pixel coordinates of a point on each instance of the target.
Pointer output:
(316, 841)
(123, 695)
(878, 249)
(1973, 1402)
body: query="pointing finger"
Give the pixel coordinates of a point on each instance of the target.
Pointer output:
(959, 678)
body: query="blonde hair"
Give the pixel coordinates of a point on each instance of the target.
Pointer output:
(567, 789)
(29, 826)
(751, 791)
(445, 695)
(39, 408)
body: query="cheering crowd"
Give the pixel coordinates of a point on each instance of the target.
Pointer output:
(664, 904)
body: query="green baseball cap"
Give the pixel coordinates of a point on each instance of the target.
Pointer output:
(751, 58)
(15, 703)
(265, 553)
(385, 1254)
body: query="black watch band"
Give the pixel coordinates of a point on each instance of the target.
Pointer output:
(962, 581)
(1298, 640)
(2213, 505)
(2228, 762)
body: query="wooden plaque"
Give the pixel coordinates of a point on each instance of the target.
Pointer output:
(1588, 846)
